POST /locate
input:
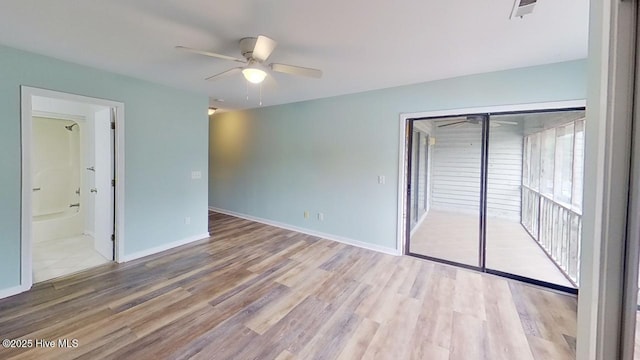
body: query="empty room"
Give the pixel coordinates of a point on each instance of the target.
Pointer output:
(319, 180)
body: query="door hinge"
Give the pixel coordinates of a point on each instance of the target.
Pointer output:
(113, 182)
(113, 125)
(113, 237)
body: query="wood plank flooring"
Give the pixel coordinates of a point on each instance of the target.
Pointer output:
(509, 247)
(260, 292)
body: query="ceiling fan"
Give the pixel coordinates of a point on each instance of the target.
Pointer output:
(255, 52)
(475, 120)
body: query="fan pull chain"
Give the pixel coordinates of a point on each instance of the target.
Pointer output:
(247, 83)
(260, 94)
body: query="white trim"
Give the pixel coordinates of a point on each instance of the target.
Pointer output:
(26, 266)
(161, 248)
(608, 130)
(26, 95)
(5, 293)
(632, 250)
(119, 177)
(402, 144)
(498, 109)
(402, 184)
(53, 115)
(632, 245)
(340, 239)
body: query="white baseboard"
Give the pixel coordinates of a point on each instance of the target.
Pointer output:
(340, 239)
(5, 293)
(161, 248)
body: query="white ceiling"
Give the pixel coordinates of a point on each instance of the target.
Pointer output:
(359, 44)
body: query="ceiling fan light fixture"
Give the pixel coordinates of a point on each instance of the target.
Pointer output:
(212, 111)
(256, 51)
(254, 75)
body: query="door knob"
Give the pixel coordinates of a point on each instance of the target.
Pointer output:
(94, 190)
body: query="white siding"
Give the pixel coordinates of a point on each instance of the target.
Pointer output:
(505, 171)
(456, 170)
(426, 129)
(422, 172)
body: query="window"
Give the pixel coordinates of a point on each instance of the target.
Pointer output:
(578, 164)
(562, 185)
(551, 210)
(526, 161)
(534, 173)
(547, 159)
(553, 163)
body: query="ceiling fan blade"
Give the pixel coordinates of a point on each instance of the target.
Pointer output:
(453, 123)
(505, 122)
(224, 73)
(297, 70)
(263, 48)
(211, 54)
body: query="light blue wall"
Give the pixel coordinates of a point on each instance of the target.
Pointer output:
(165, 138)
(325, 155)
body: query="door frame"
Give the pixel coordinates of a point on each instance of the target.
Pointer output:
(26, 240)
(631, 258)
(404, 133)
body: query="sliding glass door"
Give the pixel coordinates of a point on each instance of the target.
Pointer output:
(504, 193)
(419, 177)
(534, 195)
(448, 228)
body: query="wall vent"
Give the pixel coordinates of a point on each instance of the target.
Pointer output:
(522, 8)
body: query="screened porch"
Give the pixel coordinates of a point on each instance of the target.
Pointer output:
(531, 201)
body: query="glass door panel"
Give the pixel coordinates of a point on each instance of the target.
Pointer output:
(534, 215)
(419, 181)
(414, 171)
(445, 185)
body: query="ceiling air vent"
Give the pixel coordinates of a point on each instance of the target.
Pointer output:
(522, 8)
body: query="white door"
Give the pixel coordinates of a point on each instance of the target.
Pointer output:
(103, 190)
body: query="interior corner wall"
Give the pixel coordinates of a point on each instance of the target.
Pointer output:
(325, 155)
(165, 139)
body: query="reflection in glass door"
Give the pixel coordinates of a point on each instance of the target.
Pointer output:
(448, 181)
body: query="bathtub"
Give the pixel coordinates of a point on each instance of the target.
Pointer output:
(57, 226)
(56, 161)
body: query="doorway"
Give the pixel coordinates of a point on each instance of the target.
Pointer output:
(71, 152)
(503, 192)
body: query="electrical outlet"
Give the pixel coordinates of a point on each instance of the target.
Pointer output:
(196, 174)
(187, 220)
(321, 216)
(306, 214)
(381, 179)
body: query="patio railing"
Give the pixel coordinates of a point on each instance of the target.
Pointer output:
(556, 227)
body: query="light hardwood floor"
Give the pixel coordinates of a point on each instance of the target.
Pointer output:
(259, 292)
(454, 237)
